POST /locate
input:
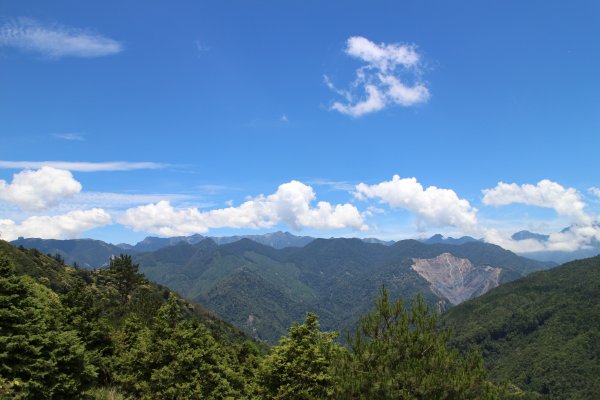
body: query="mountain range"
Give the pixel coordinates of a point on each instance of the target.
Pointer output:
(539, 332)
(263, 290)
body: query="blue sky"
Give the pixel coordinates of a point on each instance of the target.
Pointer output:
(226, 101)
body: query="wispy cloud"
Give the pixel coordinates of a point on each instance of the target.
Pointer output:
(201, 47)
(382, 81)
(343, 186)
(116, 200)
(212, 189)
(83, 166)
(69, 136)
(56, 41)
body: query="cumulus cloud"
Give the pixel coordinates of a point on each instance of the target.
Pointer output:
(290, 204)
(566, 202)
(56, 41)
(82, 166)
(40, 189)
(433, 206)
(382, 81)
(63, 226)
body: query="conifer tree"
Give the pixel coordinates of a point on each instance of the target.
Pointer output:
(400, 354)
(298, 367)
(40, 357)
(174, 358)
(125, 275)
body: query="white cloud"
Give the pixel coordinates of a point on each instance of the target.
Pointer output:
(56, 41)
(83, 166)
(381, 82)
(112, 200)
(69, 136)
(41, 189)
(547, 194)
(594, 191)
(433, 206)
(343, 186)
(64, 226)
(290, 205)
(383, 56)
(575, 238)
(374, 101)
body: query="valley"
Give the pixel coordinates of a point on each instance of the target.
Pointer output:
(263, 290)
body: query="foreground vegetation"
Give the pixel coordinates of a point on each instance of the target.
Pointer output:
(541, 332)
(68, 333)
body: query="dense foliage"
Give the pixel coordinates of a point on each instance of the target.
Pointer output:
(41, 356)
(299, 366)
(68, 333)
(400, 354)
(264, 290)
(541, 332)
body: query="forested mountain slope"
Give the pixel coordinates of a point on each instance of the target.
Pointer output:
(68, 333)
(541, 332)
(64, 331)
(87, 253)
(264, 290)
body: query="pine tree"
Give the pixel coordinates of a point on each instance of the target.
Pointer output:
(400, 354)
(125, 276)
(298, 367)
(40, 357)
(174, 358)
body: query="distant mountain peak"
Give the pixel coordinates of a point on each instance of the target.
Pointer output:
(440, 239)
(524, 235)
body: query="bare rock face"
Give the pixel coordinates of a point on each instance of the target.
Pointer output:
(456, 279)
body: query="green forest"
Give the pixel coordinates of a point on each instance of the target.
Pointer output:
(71, 333)
(110, 334)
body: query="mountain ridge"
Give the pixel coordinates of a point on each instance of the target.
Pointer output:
(336, 278)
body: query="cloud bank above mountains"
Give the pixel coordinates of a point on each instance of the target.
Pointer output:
(290, 205)
(43, 195)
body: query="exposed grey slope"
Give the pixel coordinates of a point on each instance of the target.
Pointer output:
(456, 279)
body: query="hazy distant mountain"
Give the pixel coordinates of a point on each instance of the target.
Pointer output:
(277, 240)
(559, 257)
(88, 253)
(524, 235)
(263, 290)
(152, 243)
(379, 241)
(541, 333)
(439, 239)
